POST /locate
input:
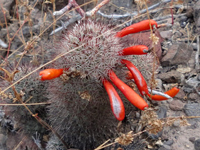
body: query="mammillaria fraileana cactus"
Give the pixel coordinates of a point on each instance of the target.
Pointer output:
(91, 53)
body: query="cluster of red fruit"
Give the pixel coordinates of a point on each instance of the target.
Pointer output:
(115, 100)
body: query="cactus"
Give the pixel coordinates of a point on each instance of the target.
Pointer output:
(31, 90)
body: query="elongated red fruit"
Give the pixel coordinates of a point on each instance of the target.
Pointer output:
(134, 50)
(172, 92)
(131, 95)
(137, 76)
(129, 75)
(137, 27)
(49, 74)
(116, 103)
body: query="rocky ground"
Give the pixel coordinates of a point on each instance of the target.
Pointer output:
(178, 55)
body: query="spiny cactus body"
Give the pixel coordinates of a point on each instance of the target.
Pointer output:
(80, 110)
(31, 90)
(95, 49)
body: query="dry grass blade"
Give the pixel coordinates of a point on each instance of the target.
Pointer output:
(42, 103)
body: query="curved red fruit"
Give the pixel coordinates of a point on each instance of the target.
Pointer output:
(135, 50)
(137, 76)
(137, 27)
(131, 95)
(116, 103)
(49, 74)
(172, 92)
(129, 75)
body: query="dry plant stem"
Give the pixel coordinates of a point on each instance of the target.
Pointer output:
(154, 52)
(100, 146)
(94, 10)
(104, 146)
(3, 44)
(19, 144)
(67, 23)
(133, 14)
(71, 4)
(168, 16)
(42, 103)
(10, 39)
(197, 55)
(77, 17)
(41, 33)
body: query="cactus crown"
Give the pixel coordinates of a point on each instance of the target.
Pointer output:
(96, 55)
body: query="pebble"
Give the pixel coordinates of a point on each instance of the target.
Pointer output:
(192, 139)
(171, 77)
(169, 142)
(194, 96)
(162, 112)
(176, 123)
(166, 34)
(192, 109)
(176, 105)
(176, 54)
(180, 95)
(197, 144)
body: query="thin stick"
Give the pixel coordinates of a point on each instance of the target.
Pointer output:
(95, 9)
(197, 55)
(42, 103)
(71, 3)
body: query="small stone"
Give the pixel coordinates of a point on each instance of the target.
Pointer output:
(176, 123)
(137, 114)
(192, 110)
(176, 105)
(162, 112)
(192, 139)
(171, 77)
(169, 142)
(149, 147)
(180, 95)
(176, 54)
(159, 142)
(184, 69)
(166, 34)
(187, 146)
(194, 96)
(197, 144)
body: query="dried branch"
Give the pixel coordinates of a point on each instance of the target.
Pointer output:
(67, 23)
(94, 10)
(135, 13)
(197, 55)
(71, 4)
